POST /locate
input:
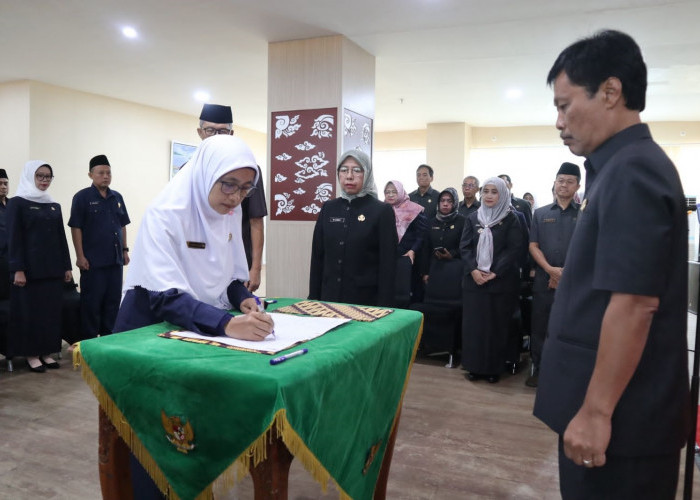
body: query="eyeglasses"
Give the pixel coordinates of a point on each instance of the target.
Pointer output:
(233, 188)
(469, 185)
(389, 193)
(209, 131)
(42, 177)
(355, 170)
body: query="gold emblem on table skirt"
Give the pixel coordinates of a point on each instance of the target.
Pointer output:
(180, 435)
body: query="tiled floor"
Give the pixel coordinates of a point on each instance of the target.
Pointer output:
(456, 440)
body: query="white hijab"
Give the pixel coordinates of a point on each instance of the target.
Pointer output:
(489, 217)
(181, 213)
(27, 187)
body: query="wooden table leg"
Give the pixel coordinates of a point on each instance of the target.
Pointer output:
(271, 476)
(383, 478)
(115, 476)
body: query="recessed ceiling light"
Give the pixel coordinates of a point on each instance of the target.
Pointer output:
(130, 32)
(514, 93)
(202, 96)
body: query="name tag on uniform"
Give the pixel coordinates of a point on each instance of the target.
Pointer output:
(547, 221)
(94, 203)
(336, 219)
(34, 208)
(196, 244)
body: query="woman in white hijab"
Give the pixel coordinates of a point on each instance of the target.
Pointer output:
(353, 253)
(491, 245)
(39, 265)
(188, 265)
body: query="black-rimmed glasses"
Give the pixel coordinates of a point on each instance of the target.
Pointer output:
(43, 177)
(209, 131)
(233, 188)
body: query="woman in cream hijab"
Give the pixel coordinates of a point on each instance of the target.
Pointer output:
(491, 245)
(188, 264)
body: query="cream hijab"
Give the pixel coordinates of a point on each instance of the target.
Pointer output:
(168, 252)
(27, 187)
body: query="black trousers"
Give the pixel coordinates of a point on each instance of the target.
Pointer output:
(621, 478)
(541, 307)
(100, 295)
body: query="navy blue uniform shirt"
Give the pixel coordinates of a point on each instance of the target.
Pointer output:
(101, 221)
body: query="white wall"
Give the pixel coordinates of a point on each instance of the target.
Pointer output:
(66, 128)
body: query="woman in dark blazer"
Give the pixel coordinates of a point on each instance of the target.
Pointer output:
(353, 253)
(39, 265)
(490, 246)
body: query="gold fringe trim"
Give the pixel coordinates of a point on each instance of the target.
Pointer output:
(256, 452)
(126, 432)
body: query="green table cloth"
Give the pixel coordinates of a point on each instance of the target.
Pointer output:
(191, 413)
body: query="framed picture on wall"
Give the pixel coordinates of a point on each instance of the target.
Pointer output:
(180, 153)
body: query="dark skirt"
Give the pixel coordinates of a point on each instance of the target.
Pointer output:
(485, 330)
(35, 318)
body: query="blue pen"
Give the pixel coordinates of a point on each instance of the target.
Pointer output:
(261, 308)
(282, 359)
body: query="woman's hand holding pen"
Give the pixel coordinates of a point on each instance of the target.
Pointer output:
(254, 325)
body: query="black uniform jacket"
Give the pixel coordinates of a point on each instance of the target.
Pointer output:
(443, 234)
(507, 249)
(353, 254)
(37, 240)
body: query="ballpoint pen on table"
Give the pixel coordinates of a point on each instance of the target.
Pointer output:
(285, 357)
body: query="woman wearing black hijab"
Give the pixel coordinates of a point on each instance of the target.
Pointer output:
(444, 231)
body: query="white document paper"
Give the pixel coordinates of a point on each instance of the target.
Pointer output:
(290, 330)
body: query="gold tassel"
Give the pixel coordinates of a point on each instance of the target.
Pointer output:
(77, 358)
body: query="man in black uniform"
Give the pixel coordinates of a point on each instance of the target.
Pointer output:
(98, 220)
(216, 119)
(4, 265)
(470, 186)
(614, 375)
(520, 205)
(550, 234)
(425, 195)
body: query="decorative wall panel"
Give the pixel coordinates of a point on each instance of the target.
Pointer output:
(302, 162)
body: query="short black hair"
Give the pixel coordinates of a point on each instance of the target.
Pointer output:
(609, 53)
(506, 178)
(430, 169)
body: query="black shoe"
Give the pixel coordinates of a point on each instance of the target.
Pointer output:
(492, 379)
(473, 377)
(53, 365)
(533, 378)
(38, 369)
